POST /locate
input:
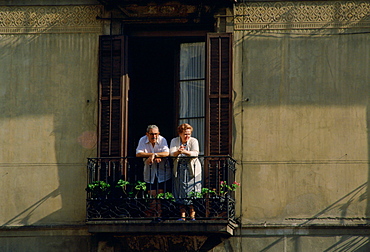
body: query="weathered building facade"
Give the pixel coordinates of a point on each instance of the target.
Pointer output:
(288, 100)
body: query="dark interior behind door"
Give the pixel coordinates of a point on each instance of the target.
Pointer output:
(151, 96)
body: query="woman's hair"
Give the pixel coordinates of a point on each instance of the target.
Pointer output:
(184, 127)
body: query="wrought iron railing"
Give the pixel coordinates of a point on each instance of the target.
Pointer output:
(116, 190)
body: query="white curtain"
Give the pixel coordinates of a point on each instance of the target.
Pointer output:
(192, 84)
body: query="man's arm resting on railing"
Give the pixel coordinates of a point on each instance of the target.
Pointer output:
(154, 155)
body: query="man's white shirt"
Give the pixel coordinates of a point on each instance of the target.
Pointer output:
(156, 170)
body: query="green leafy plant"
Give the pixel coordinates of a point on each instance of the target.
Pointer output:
(225, 188)
(123, 184)
(166, 195)
(140, 187)
(98, 188)
(207, 191)
(195, 195)
(131, 190)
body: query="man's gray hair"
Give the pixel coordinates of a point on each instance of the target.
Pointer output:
(152, 127)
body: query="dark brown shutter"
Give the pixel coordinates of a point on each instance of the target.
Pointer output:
(112, 91)
(219, 94)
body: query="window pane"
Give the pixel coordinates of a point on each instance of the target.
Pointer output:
(192, 61)
(191, 99)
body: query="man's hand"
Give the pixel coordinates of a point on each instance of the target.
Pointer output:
(153, 158)
(149, 160)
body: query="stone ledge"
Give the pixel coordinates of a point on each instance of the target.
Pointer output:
(162, 227)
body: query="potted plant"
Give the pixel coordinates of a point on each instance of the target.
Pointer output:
(122, 185)
(167, 195)
(225, 188)
(98, 189)
(140, 188)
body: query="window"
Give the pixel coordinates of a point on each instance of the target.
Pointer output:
(192, 88)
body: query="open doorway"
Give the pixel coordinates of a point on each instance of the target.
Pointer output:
(159, 93)
(152, 98)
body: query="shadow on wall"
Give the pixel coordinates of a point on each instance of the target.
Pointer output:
(368, 149)
(51, 123)
(351, 242)
(357, 195)
(24, 216)
(346, 243)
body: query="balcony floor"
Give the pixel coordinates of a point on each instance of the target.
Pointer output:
(160, 227)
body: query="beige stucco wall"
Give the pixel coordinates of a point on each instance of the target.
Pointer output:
(301, 119)
(301, 112)
(48, 93)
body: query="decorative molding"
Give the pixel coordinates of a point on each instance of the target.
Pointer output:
(50, 19)
(165, 12)
(301, 15)
(161, 10)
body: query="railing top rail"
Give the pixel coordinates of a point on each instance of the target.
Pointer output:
(200, 156)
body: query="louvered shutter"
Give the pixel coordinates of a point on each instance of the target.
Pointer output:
(112, 94)
(219, 94)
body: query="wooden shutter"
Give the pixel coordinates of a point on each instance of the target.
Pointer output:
(219, 94)
(112, 97)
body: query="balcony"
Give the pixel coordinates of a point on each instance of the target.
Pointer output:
(118, 200)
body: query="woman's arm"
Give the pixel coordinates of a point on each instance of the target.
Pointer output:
(193, 147)
(174, 148)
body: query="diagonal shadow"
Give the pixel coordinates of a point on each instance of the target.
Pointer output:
(349, 243)
(344, 207)
(267, 248)
(29, 211)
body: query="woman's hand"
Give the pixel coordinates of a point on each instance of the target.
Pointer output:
(182, 150)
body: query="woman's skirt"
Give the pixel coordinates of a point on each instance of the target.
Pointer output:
(185, 186)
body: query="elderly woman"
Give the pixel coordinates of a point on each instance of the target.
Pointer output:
(187, 171)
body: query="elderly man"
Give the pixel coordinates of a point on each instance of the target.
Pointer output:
(154, 148)
(157, 173)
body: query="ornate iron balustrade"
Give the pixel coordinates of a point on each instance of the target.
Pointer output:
(115, 191)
